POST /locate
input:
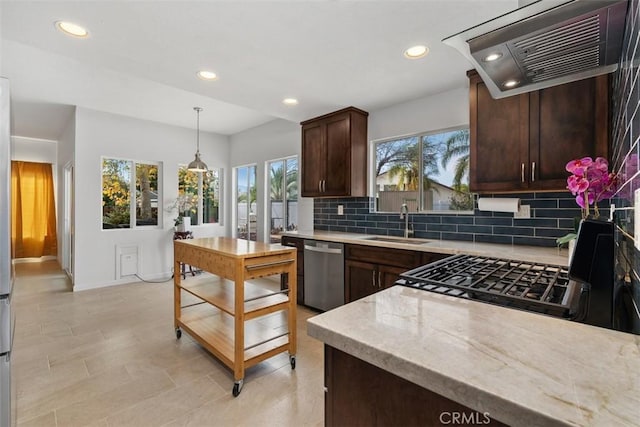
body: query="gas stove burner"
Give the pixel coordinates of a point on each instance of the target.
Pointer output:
(528, 286)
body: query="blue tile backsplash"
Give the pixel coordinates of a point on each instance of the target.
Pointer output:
(625, 151)
(551, 217)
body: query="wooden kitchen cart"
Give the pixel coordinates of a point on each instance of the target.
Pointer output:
(230, 321)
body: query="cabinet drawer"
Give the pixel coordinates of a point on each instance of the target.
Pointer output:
(387, 256)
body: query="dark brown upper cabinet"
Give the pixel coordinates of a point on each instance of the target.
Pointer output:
(334, 154)
(523, 142)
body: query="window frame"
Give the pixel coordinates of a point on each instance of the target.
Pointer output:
(236, 220)
(285, 199)
(373, 187)
(200, 195)
(133, 198)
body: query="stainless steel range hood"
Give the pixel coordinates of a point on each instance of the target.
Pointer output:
(544, 44)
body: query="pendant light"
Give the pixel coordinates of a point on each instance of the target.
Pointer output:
(197, 165)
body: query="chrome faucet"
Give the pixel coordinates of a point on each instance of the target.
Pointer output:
(404, 213)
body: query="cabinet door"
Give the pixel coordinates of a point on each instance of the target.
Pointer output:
(314, 159)
(338, 176)
(298, 243)
(567, 122)
(499, 133)
(361, 279)
(387, 275)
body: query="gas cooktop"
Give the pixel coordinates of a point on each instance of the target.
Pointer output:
(528, 286)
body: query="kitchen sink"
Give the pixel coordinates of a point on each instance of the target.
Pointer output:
(407, 240)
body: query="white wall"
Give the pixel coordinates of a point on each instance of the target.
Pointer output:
(101, 134)
(34, 150)
(440, 111)
(273, 140)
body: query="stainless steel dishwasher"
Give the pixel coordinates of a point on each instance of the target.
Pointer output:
(323, 274)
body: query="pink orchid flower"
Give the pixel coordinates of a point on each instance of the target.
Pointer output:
(578, 166)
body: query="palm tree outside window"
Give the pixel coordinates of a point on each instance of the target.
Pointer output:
(427, 172)
(283, 196)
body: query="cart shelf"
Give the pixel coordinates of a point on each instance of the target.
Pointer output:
(219, 292)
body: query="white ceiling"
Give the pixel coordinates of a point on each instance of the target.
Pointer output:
(142, 57)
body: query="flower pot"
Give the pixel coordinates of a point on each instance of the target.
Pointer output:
(180, 228)
(186, 223)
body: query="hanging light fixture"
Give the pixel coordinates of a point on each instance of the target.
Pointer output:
(197, 165)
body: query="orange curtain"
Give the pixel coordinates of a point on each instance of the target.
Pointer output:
(33, 210)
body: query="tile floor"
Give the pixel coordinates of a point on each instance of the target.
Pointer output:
(109, 357)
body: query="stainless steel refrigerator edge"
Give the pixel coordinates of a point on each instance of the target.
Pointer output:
(323, 274)
(6, 264)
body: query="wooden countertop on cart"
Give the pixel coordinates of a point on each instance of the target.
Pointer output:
(237, 248)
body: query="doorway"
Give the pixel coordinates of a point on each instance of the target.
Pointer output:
(68, 221)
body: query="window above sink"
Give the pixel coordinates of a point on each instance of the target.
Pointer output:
(429, 172)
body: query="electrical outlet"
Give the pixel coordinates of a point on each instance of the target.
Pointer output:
(636, 218)
(340, 210)
(523, 212)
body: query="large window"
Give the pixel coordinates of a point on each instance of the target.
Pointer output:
(202, 191)
(129, 193)
(427, 172)
(283, 196)
(246, 209)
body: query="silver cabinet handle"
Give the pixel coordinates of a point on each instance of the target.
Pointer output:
(373, 278)
(379, 279)
(324, 185)
(319, 186)
(533, 172)
(522, 172)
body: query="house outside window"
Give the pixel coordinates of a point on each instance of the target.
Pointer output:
(130, 192)
(428, 172)
(282, 190)
(202, 190)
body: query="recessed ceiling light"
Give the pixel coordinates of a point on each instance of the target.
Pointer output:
(492, 57)
(207, 75)
(510, 83)
(71, 29)
(290, 101)
(415, 52)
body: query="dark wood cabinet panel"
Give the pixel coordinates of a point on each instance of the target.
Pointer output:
(334, 154)
(387, 275)
(369, 269)
(523, 142)
(313, 147)
(567, 122)
(389, 256)
(361, 394)
(360, 280)
(297, 243)
(499, 132)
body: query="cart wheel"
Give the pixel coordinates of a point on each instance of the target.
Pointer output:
(237, 388)
(178, 333)
(292, 360)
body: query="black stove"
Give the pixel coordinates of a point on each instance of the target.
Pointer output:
(542, 288)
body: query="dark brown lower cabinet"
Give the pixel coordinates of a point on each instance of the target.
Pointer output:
(298, 243)
(370, 269)
(360, 394)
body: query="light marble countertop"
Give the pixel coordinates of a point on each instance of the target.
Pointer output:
(522, 368)
(516, 252)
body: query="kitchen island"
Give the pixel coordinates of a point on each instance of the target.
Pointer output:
(517, 367)
(227, 320)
